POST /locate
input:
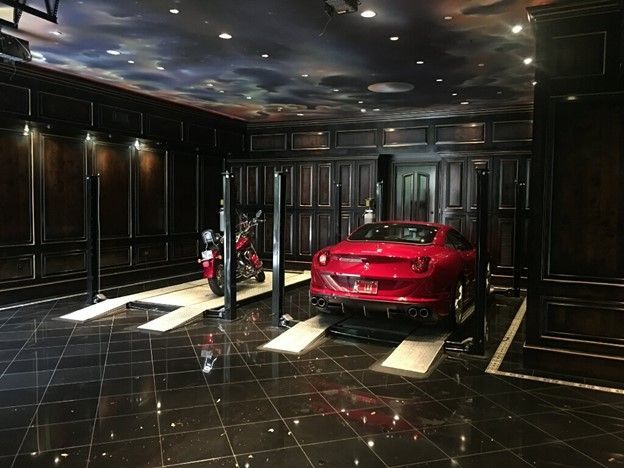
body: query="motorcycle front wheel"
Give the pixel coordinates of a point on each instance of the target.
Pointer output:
(216, 283)
(260, 277)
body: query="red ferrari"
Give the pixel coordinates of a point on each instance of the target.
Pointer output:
(422, 270)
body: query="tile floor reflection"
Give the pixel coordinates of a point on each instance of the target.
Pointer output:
(103, 394)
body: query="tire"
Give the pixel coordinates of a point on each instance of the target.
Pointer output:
(260, 277)
(216, 283)
(457, 305)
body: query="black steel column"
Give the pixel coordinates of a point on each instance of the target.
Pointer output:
(338, 205)
(379, 206)
(518, 240)
(229, 248)
(93, 240)
(481, 299)
(279, 216)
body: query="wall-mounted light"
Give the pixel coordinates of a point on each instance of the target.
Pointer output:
(137, 144)
(88, 137)
(26, 130)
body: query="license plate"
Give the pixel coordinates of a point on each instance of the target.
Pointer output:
(365, 287)
(207, 255)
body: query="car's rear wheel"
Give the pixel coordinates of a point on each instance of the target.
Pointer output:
(456, 312)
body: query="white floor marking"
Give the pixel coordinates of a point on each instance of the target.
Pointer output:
(245, 290)
(303, 335)
(494, 365)
(417, 352)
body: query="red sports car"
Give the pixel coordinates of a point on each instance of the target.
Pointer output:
(422, 270)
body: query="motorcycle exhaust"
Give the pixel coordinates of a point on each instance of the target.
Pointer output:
(313, 301)
(413, 312)
(423, 313)
(321, 302)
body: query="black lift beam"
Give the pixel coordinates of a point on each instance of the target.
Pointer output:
(93, 240)
(48, 11)
(279, 216)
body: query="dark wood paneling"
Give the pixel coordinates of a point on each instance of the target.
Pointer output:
(588, 156)
(151, 253)
(305, 234)
(324, 229)
(17, 268)
(324, 185)
(14, 99)
(252, 186)
(473, 165)
(184, 203)
(63, 172)
(270, 142)
(505, 236)
(306, 183)
(63, 263)
(115, 257)
(584, 321)
(116, 118)
(579, 55)
(163, 128)
(405, 136)
(289, 227)
(231, 142)
(346, 225)
(517, 130)
(202, 135)
(112, 163)
(290, 183)
(460, 133)
(151, 193)
(269, 184)
(345, 176)
(364, 187)
(356, 138)
(239, 184)
(57, 107)
(310, 141)
(456, 222)
(16, 188)
(183, 249)
(507, 175)
(455, 185)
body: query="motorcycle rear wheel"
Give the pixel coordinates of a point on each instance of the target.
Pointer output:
(260, 277)
(216, 283)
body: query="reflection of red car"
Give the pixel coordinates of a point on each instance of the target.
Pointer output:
(422, 270)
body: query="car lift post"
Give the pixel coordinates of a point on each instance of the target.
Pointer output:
(338, 205)
(93, 240)
(279, 215)
(518, 240)
(379, 213)
(481, 296)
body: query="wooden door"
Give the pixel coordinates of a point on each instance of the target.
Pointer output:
(415, 193)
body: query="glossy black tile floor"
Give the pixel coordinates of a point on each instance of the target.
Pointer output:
(105, 395)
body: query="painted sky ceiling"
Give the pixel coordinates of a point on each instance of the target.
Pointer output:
(314, 68)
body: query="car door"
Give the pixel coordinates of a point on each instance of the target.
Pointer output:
(468, 255)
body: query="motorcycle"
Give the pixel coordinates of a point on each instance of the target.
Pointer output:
(248, 265)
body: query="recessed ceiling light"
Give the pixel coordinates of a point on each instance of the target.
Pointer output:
(225, 35)
(482, 64)
(336, 90)
(247, 97)
(280, 109)
(131, 61)
(420, 62)
(265, 56)
(368, 14)
(454, 94)
(221, 91)
(210, 85)
(517, 29)
(499, 92)
(113, 52)
(376, 109)
(439, 80)
(363, 111)
(528, 60)
(394, 38)
(174, 11)
(360, 102)
(305, 75)
(391, 129)
(448, 17)
(534, 83)
(160, 68)
(56, 33)
(464, 103)
(571, 98)
(299, 114)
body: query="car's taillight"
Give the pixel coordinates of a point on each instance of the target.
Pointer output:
(421, 264)
(323, 258)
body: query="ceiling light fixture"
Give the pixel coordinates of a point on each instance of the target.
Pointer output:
(363, 111)
(517, 29)
(376, 109)
(88, 137)
(26, 130)
(299, 114)
(336, 90)
(439, 80)
(464, 103)
(113, 52)
(368, 14)
(160, 68)
(528, 60)
(265, 56)
(420, 62)
(394, 38)
(448, 18)
(225, 36)
(247, 97)
(534, 83)
(305, 75)
(454, 94)
(360, 102)
(174, 11)
(482, 64)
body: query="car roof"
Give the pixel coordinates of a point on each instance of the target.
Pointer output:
(422, 223)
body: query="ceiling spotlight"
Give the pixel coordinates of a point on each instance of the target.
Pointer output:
(517, 29)
(360, 102)
(368, 14)
(299, 114)
(534, 83)
(394, 38)
(265, 56)
(464, 103)
(376, 109)
(210, 85)
(363, 111)
(113, 52)
(454, 94)
(482, 64)
(174, 11)
(336, 90)
(571, 98)
(130, 61)
(305, 75)
(420, 62)
(225, 35)
(341, 7)
(26, 130)
(88, 137)
(160, 68)
(528, 60)
(221, 91)
(448, 18)
(247, 97)
(439, 80)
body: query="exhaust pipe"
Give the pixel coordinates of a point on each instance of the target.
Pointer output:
(413, 312)
(423, 313)
(313, 301)
(321, 302)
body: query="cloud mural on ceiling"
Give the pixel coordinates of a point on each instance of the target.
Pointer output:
(317, 67)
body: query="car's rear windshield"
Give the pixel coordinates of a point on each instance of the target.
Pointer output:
(389, 232)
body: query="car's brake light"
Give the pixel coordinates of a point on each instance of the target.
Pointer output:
(323, 258)
(421, 264)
